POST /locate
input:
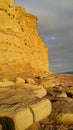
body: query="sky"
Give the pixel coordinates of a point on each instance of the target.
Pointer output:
(55, 24)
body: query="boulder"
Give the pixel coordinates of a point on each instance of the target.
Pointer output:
(23, 119)
(29, 80)
(63, 111)
(63, 94)
(66, 118)
(5, 82)
(19, 81)
(41, 110)
(40, 93)
(48, 84)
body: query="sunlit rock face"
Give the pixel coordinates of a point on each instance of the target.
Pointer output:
(21, 48)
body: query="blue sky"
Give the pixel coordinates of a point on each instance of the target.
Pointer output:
(55, 23)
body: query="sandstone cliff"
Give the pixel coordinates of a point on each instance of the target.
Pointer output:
(21, 48)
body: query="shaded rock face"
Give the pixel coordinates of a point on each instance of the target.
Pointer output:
(21, 48)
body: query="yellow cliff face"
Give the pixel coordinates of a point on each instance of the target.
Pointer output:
(21, 48)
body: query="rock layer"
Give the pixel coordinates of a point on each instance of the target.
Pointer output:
(20, 106)
(21, 48)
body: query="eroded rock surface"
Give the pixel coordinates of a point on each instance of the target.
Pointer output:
(22, 105)
(21, 48)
